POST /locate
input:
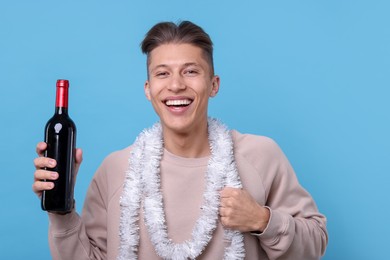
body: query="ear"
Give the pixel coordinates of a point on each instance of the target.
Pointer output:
(147, 90)
(215, 86)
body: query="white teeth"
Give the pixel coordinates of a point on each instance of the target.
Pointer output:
(181, 102)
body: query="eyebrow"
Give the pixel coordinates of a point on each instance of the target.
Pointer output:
(191, 64)
(159, 66)
(185, 65)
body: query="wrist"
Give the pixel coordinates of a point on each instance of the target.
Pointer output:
(262, 221)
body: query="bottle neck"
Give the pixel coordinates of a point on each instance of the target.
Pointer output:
(62, 100)
(61, 110)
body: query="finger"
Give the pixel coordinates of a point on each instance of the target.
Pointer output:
(79, 156)
(78, 160)
(228, 192)
(40, 186)
(45, 175)
(226, 222)
(223, 221)
(40, 149)
(225, 212)
(225, 202)
(42, 162)
(222, 212)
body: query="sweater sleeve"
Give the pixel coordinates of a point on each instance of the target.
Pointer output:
(82, 237)
(296, 230)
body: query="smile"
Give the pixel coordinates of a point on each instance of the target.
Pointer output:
(178, 102)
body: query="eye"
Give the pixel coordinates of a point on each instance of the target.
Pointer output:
(191, 72)
(161, 74)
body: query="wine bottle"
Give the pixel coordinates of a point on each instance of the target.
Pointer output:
(60, 137)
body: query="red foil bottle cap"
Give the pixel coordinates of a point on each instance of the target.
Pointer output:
(63, 83)
(62, 93)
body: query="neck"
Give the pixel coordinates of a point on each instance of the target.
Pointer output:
(190, 145)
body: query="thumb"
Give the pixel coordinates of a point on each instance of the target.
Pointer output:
(78, 158)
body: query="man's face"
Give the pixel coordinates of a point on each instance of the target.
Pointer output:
(179, 86)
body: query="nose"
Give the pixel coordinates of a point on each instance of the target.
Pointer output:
(177, 83)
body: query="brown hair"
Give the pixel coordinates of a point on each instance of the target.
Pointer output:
(183, 32)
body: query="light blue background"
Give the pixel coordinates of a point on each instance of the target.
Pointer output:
(313, 75)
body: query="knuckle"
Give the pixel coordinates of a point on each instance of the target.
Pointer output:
(229, 212)
(40, 162)
(225, 212)
(225, 221)
(36, 162)
(235, 193)
(33, 186)
(37, 186)
(40, 185)
(39, 174)
(229, 203)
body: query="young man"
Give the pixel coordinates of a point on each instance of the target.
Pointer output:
(188, 187)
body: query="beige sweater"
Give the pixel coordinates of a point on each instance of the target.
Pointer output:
(296, 229)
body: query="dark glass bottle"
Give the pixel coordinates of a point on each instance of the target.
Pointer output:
(60, 136)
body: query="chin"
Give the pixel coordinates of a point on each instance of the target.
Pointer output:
(179, 125)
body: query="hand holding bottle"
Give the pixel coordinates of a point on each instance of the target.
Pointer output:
(42, 162)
